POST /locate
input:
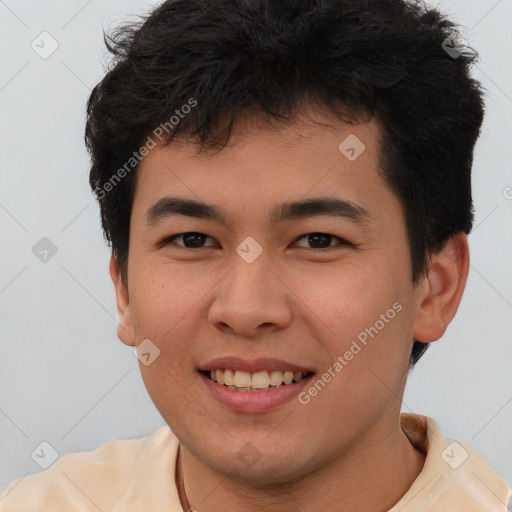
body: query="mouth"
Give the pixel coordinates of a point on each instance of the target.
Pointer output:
(253, 386)
(262, 381)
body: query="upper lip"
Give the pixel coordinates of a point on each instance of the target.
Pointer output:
(252, 365)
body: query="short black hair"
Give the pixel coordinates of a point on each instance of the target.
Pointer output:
(226, 58)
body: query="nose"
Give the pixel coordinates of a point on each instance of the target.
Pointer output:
(251, 299)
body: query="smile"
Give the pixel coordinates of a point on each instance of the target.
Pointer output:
(258, 381)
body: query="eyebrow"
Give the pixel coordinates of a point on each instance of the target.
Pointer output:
(294, 210)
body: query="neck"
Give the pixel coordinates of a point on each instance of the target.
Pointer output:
(373, 476)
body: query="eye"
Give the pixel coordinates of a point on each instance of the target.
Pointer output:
(321, 240)
(191, 240)
(196, 240)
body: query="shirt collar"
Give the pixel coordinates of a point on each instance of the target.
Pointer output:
(454, 477)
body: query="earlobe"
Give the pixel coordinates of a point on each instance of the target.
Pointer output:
(444, 286)
(125, 330)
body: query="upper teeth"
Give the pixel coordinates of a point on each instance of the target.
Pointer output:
(258, 380)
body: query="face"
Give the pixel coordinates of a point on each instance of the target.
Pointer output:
(297, 262)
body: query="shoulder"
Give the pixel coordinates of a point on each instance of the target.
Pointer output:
(454, 477)
(86, 479)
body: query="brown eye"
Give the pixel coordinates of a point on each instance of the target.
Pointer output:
(191, 240)
(321, 240)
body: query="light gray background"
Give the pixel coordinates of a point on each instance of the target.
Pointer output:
(64, 376)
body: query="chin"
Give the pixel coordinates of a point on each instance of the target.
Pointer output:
(263, 466)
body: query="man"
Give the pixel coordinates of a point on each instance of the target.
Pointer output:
(286, 189)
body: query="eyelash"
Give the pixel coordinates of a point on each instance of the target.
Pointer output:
(341, 241)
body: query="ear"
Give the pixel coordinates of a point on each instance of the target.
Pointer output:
(125, 330)
(442, 289)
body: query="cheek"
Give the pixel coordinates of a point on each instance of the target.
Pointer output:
(164, 304)
(164, 310)
(348, 299)
(363, 321)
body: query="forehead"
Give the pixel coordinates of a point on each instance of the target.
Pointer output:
(266, 169)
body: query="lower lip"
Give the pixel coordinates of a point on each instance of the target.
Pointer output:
(255, 401)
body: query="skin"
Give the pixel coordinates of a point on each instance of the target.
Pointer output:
(296, 302)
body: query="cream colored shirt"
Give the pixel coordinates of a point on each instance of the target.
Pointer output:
(138, 475)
